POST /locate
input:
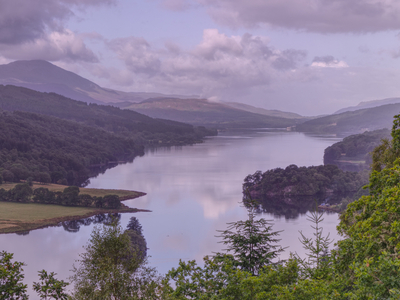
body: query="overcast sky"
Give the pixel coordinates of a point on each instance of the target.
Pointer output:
(305, 56)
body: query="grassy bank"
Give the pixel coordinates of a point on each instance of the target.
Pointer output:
(122, 194)
(16, 217)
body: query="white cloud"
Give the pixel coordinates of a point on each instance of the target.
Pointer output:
(217, 63)
(56, 46)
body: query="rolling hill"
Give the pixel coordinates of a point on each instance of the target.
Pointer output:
(42, 76)
(207, 113)
(369, 104)
(352, 122)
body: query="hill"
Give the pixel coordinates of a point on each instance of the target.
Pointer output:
(207, 113)
(143, 129)
(265, 112)
(42, 76)
(369, 104)
(50, 149)
(353, 153)
(353, 122)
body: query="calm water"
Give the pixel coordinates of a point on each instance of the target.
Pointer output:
(192, 192)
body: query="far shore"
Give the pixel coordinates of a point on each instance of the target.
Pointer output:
(19, 217)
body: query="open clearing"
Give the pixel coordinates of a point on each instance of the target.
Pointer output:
(15, 217)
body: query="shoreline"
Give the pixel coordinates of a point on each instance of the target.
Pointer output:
(18, 225)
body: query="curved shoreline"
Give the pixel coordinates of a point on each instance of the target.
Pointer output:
(15, 225)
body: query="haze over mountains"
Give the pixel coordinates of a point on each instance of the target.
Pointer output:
(43, 76)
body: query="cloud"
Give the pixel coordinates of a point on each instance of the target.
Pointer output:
(217, 63)
(328, 62)
(24, 21)
(35, 29)
(322, 16)
(56, 46)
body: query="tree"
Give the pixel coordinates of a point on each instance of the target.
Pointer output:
(110, 268)
(316, 265)
(70, 196)
(49, 287)
(252, 242)
(11, 276)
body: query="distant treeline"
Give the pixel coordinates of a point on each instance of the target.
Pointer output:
(355, 146)
(127, 123)
(24, 193)
(303, 181)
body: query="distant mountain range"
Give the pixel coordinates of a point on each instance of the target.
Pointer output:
(208, 113)
(42, 76)
(45, 77)
(369, 104)
(351, 122)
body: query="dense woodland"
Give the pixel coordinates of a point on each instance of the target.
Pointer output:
(358, 146)
(143, 129)
(63, 140)
(50, 149)
(303, 181)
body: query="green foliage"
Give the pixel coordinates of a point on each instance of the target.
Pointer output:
(49, 287)
(355, 146)
(306, 181)
(11, 276)
(252, 243)
(317, 263)
(110, 268)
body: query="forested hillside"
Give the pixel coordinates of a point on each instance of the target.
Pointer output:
(355, 149)
(143, 129)
(50, 149)
(353, 122)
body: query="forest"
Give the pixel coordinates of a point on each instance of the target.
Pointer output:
(303, 181)
(50, 138)
(127, 123)
(358, 146)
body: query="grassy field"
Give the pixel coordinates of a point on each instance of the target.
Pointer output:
(16, 217)
(122, 194)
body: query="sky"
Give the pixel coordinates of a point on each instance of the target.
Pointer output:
(306, 56)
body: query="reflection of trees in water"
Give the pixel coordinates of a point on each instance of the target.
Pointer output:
(294, 206)
(75, 225)
(135, 233)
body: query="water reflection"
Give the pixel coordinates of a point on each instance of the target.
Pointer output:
(75, 225)
(294, 206)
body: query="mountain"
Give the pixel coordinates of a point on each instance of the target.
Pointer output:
(265, 112)
(369, 104)
(142, 129)
(352, 122)
(42, 76)
(207, 113)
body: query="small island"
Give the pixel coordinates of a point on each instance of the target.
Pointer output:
(22, 210)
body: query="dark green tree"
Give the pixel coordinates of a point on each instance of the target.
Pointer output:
(251, 242)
